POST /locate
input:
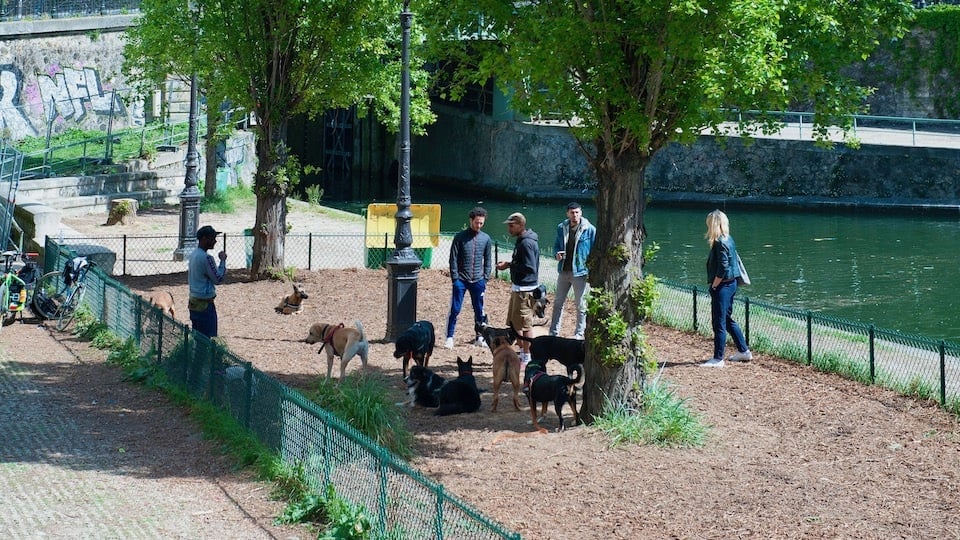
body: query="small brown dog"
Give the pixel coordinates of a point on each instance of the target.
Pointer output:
(340, 341)
(506, 366)
(293, 303)
(164, 301)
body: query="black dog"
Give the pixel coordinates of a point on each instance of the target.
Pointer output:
(460, 395)
(569, 352)
(423, 387)
(540, 310)
(543, 388)
(490, 334)
(415, 343)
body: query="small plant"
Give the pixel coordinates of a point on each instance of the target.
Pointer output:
(314, 194)
(341, 520)
(662, 420)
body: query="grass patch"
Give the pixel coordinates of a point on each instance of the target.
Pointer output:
(362, 401)
(663, 420)
(228, 200)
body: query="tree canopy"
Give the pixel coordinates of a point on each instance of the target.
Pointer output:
(631, 76)
(278, 59)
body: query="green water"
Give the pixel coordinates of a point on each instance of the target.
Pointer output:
(894, 271)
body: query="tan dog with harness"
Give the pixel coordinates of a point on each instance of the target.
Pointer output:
(293, 303)
(340, 341)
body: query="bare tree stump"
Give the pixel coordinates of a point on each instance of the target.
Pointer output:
(122, 211)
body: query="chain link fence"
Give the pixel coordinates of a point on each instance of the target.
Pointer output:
(15, 10)
(910, 364)
(401, 502)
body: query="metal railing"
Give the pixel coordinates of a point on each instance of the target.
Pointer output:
(16, 10)
(400, 501)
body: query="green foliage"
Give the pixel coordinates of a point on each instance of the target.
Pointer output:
(662, 420)
(340, 519)
(314, 194)
(928, 59)
(362, 401)
(644, 295)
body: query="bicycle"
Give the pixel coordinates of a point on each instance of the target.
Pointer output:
(16, 286)
(58, 294)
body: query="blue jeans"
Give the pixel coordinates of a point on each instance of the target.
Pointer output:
(566, 280)
(205, 321)
(721, 315)
(460, 287)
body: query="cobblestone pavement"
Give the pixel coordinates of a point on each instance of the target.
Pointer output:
(80, 457)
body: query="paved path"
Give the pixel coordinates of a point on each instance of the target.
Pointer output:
(84, 454)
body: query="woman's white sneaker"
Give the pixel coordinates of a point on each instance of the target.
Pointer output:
(713, 362)
(744, 356)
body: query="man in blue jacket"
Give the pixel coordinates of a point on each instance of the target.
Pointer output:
(574, 240)
(471, 262)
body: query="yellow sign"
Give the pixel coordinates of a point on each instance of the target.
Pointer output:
(424, 225)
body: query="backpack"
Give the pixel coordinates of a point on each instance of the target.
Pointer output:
(72, 269)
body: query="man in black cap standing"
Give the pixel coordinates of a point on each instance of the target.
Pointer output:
(203, 276)
(525, 276)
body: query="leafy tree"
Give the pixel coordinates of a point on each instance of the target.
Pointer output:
(633, 76)
(278, 59)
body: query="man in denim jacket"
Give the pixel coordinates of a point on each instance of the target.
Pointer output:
(574, 240)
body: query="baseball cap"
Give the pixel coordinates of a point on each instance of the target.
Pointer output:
(206, 230)
(516, 217)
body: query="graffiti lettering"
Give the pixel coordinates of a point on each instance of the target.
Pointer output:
(12, 120)
(69, 92)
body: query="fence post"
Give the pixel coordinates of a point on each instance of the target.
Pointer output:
(943, 373)
(438, 524)
(746, 318)
(695, 290)
(873, 365)
(248, 394)
(809, 338)
(383, 491)
(309, 251)
(124, 266)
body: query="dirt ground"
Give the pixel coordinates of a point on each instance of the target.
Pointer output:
(791, 453)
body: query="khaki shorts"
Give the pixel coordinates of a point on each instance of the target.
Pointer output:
(520, 312)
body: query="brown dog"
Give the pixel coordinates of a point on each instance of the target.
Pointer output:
(293, 303)
(506, 366)
(164, 301)
(340, 341)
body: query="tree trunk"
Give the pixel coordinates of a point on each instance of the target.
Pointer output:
(270, 187)
(614, 367)
(210, 151)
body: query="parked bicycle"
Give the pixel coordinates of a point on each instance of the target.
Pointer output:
(16, 286)
(59, 293)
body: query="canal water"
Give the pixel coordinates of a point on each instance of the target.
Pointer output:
(894, 271)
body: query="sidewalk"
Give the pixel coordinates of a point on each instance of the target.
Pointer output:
(84, 454)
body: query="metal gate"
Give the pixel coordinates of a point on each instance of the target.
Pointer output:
(337, 173)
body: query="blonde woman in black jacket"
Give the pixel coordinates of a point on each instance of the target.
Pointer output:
(722, 273)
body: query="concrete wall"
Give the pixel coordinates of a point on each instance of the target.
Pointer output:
(522, 160)
(64, 73)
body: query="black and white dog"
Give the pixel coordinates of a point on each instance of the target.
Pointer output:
(423, 388)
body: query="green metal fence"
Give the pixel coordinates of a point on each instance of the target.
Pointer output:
(910, 364)
(401, 502)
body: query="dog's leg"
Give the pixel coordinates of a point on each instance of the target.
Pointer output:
(573, 405)
(558, 406)
(406, 362)
(533, 414)
(329, 362)
(496, 390)
(343, 366)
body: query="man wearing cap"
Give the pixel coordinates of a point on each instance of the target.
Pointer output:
(525, 277)
(203, 275)
(574, 239)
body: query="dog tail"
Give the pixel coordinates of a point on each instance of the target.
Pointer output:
(516, 335)
(359, 326)
(579, 369)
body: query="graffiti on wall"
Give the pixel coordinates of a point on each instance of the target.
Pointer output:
(62, 95)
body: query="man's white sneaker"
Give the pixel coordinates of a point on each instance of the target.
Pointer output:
(713, 362)
(578, 336)
(744, 356)
(448, 343)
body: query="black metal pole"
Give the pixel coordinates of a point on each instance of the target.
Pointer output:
(403, 267)
(190, 196)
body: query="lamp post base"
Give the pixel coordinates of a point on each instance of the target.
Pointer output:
(403, 271)
(189, 222)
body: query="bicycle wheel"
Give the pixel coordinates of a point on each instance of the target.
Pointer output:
(68, 309)
(48, 295)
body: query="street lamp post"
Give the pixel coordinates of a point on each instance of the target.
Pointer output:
(190, 196)
(403, 266)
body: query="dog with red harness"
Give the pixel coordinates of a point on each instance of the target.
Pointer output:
(559, 389)
(339, 340)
